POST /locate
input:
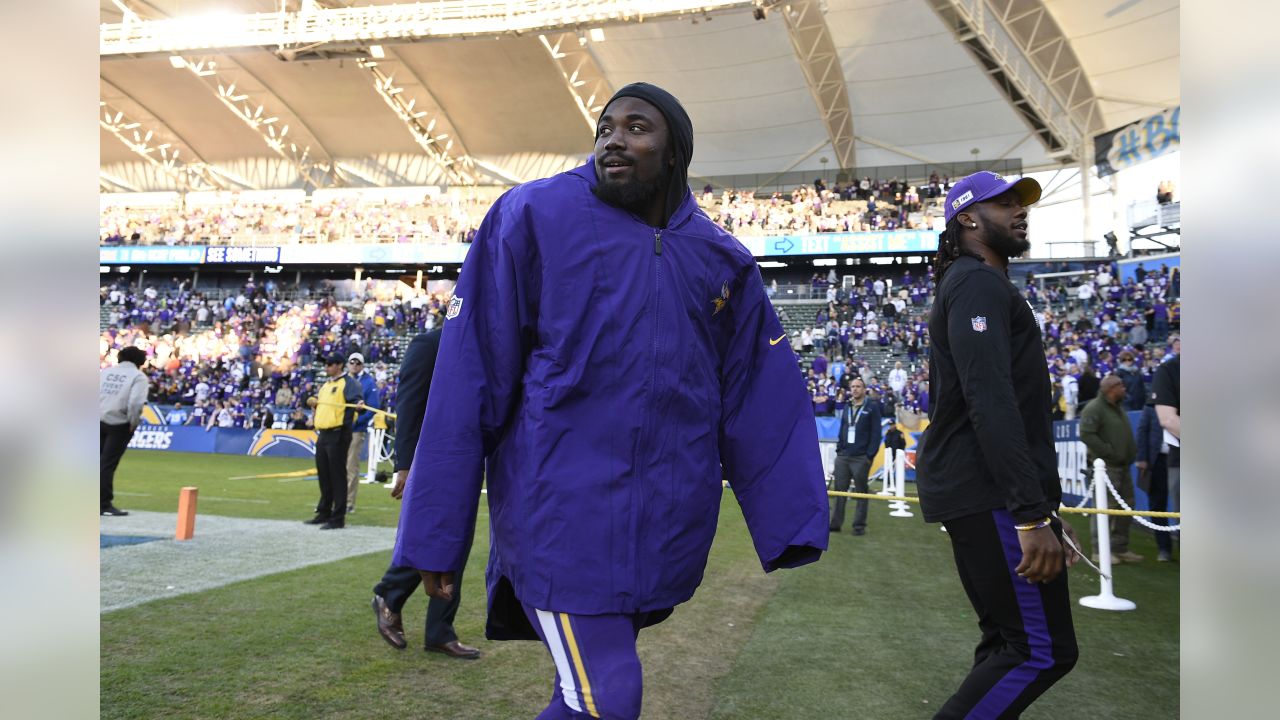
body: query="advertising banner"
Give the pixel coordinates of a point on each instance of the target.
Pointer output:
(149, 255)
(921, 241)
(373, 253)
(850, 243)
(226, 441)
(176, 438)
(218, 254)
(1138, 142)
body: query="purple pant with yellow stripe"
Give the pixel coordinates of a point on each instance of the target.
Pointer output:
(597, 669)
(1028, 638)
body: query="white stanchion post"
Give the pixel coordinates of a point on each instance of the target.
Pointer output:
(372, 454)
(1106, 599)
(886, 474)
(902, 508)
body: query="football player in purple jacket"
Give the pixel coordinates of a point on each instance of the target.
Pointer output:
(611, 355)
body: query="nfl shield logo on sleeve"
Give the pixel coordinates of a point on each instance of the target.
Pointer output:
(979, 323)
(455, 307)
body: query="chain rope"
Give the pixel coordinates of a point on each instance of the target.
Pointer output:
(1141, 520)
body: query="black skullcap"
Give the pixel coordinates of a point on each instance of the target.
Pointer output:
(681, 133)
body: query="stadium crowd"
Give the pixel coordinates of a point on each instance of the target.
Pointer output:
(855, 206)
(435, 219)
(1093, 325)
(248, 359)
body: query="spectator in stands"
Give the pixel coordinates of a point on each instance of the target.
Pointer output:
(122, 392)
(284, 398)
(1160, 318)
(857, 444)
(1088, 385)
(199, 414)
(1137, 333)
(1135, 390)
(1084, 293)
(898, 378)
(176, 416)
(222, 416)
(1106, 432)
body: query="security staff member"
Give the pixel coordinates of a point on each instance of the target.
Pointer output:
(856, 447)
(333, 422)
(988, 470)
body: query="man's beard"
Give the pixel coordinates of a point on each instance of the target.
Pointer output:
(631, 195)
(1006, 244)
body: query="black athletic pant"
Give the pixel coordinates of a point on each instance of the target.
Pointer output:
(399, 582)
(113, 440)
(331, 466)
(1028, 639)
(1158, 498)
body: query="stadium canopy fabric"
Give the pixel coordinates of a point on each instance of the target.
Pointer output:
(915, 94)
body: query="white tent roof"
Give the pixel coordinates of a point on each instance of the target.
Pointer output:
(915, 93)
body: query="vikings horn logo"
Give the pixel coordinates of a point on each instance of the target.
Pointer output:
(721, 301)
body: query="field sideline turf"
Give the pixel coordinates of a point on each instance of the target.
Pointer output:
(878, 629)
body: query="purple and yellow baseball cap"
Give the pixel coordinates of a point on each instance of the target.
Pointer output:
(985, 185)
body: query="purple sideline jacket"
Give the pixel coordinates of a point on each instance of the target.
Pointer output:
(606, 371)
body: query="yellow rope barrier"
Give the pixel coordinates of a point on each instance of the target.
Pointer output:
(1078, 510)
(296, 473)
(362, 407)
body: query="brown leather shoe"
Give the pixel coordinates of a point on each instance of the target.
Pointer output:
(455, 649)
(389, 626)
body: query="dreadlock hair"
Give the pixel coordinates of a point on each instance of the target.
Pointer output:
(950, 249)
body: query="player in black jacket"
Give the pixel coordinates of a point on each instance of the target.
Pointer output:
(988, 470)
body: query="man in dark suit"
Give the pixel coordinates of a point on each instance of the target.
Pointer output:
(399, 582)
(856, 447)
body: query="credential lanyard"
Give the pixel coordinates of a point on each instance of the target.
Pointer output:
(852, 434)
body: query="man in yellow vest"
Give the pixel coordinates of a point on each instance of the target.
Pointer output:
(333, 421)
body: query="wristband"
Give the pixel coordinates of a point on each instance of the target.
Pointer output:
(1034, 525)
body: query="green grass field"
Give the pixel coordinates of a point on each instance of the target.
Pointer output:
(878, 629)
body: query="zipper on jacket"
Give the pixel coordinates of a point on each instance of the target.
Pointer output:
(648, 416)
